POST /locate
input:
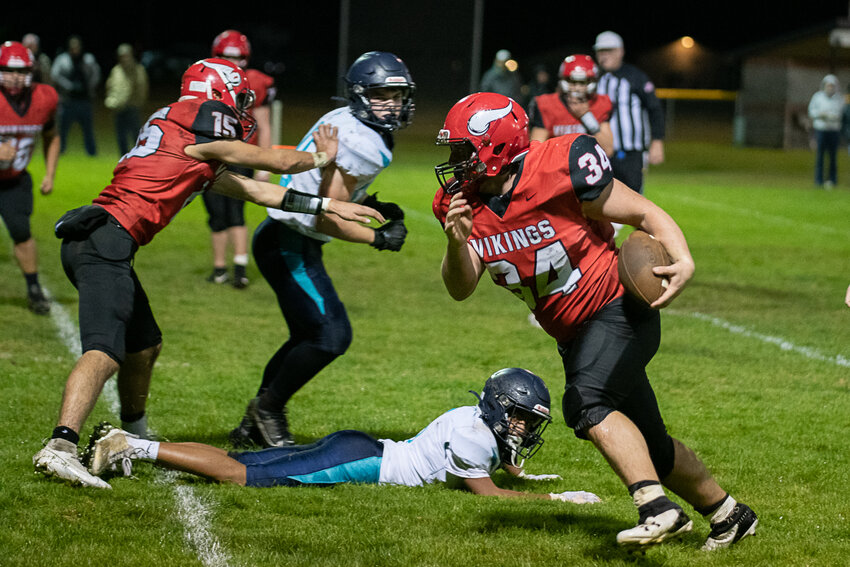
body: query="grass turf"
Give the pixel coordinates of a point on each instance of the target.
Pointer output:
(749, 374)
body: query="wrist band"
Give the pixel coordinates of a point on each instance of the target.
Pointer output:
(590, 123)
(326, 202)
(298, 202)
(320, 159)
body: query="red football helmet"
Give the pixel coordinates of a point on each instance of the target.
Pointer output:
(220, 79)
(16, 63)
(231, 44)
(486, 132)
(577, 77)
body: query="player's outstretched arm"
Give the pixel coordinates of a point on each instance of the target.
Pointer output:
(486, 487)
(275, 196)
(276, 160)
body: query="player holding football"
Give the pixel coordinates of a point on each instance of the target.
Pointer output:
(226, 214)
(288, 246)
(575, 107)
(462, 448)
(182, 151)
(27, 111)
(538, 217)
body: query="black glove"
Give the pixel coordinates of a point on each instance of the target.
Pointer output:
(390, 236)
(391, 211)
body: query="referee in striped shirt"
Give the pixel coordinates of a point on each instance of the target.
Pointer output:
(638, 119)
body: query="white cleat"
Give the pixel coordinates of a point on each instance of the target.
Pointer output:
(112, 449)
(59, 458)
(656, 529)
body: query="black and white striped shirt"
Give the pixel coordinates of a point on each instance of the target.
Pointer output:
(638, 117)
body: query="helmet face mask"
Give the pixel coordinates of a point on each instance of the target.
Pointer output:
(515, 405)
(578, 76)
(380, 91)
(16, 65)
(486, 132)
(220, 79)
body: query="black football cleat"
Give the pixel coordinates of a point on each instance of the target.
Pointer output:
(273, 425)
(736, 526)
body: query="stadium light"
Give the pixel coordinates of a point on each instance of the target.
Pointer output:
(511, 65)
(687, 42)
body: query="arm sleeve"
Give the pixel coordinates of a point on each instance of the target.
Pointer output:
(468, 455)
(590, 168)
(535, 120)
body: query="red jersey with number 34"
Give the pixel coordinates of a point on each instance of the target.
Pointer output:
(23, 124)
(154, 180)
(543, 249)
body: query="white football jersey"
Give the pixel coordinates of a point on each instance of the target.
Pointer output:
(457, 442)
(362, 154)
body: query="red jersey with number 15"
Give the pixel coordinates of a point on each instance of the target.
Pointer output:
(154, 180)
(22, 122)
(543, 249)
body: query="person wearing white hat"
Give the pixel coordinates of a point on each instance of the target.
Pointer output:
(637, 121)
(826, 108)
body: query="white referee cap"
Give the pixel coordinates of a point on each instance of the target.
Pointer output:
(608, 40)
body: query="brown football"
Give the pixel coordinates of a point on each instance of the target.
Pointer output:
(639, 253)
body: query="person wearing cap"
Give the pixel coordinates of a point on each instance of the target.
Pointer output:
(500, 79)
(126, 95)
(826, 108)
(637, 116)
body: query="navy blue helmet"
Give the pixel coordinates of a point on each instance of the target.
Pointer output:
(515, 394)
(379, 70)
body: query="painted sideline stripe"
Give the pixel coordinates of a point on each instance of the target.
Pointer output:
(783, 344)
(194, 513)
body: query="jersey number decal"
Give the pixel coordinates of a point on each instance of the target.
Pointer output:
(150, 136)
(553, 273)
(593, 165)
(23, 153)
(224, 125)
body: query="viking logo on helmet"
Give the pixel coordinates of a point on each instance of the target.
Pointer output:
(480, 122)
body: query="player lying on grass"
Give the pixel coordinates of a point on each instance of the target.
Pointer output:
(462, 448)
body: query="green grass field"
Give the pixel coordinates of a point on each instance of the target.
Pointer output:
(752, 373)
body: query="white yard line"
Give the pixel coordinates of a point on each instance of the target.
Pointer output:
(783, 344)
(193, 512)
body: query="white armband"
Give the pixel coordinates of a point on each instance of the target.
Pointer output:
(590, 123)
(326, 202)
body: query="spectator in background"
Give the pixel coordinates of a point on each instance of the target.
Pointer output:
(27, 112)
(126, 95)
(500, 79)
(76, 75)
(574, 107)
(540, 84)
(41, 69)
(226, 216)
(637, 119)
(826, 109)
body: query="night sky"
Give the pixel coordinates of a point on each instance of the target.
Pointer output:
(301, 38)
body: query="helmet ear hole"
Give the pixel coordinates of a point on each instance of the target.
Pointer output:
(498, 149)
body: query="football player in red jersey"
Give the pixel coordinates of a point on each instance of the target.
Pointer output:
(537, 216)
(181, 152)
(226, 215)
(575, 107)
(27, 112)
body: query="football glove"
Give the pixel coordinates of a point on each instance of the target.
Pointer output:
(391, 211)
(576, 497)
(390, 236)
